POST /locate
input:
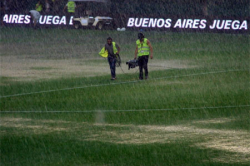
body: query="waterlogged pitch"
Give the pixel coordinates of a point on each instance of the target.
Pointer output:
(59, 107)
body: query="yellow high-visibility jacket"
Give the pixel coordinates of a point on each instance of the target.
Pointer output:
(103, 53)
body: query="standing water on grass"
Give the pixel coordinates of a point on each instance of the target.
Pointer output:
(58, 105)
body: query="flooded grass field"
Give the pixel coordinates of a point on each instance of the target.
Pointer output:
(59, 107)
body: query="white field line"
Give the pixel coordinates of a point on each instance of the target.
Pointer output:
(118, 83)
(138, 110)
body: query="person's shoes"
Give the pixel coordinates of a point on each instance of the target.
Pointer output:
(146, 77)
(113, 78)
(140, 78)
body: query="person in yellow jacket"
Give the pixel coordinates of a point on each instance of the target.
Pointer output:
(39, 6)
(71, 7)
(113, 50)
(143, 50)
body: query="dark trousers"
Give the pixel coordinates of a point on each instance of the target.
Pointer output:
(143, 64)
(112, 62)
(68, 16)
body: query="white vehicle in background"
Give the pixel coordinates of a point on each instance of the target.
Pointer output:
(87, 18)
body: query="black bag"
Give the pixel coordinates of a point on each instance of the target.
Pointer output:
(132, 63)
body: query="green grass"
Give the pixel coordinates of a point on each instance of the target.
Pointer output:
(173, 118)
(41, 68)
(59, 152)
(222, 89)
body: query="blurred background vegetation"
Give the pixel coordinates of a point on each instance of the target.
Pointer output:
(227, 8)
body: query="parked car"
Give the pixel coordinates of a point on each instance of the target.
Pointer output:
(92, 14)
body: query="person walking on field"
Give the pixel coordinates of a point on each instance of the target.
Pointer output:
(143, 47)
(113, 51)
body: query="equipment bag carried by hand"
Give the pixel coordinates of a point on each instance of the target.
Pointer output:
(132, 63)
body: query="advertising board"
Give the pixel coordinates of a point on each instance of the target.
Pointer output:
(206, 24)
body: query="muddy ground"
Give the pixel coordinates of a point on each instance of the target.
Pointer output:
(25, 68)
